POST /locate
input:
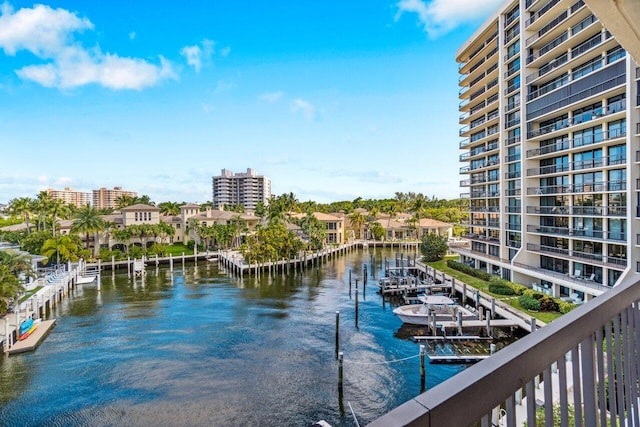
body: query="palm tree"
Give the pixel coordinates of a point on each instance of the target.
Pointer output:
(88, 221)
(43, 204)
(22, 207)
(169, 208)
(357, 220)
(62, 246)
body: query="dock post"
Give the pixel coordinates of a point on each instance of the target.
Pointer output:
(113, 263)
(356, 304)
(340, 373)
(171, 262)
(423, 372)
(183, 260)
(477, 299)
(481, 313)
(459, 318)
(157, 262)
(337, 333)
(129, 267)
(533, 324)
(463, 300)
(493, 308)
(434, 326)
(489, 326)
(492, 349)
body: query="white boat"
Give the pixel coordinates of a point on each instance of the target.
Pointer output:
(442, 306)
(83, 280)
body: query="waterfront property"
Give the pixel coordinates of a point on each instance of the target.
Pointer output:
(571, 213)
(240, 189)
(549, 115)
(196, 345)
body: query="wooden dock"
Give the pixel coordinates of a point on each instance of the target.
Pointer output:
(455, 358)
(450, 338)
(33, 340)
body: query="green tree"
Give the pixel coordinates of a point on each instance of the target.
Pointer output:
(22, 207)
(433, 247)
(169, 208)
(88, 221)
(63, 247)
(357, 221)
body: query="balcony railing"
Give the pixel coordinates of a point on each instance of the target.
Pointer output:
(613, 108)
(589, 355)
(578, 210)
(579, 165)
(565, 144)
(589, 187)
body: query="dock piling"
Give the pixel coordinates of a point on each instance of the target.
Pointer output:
(337, 333)
(423, 371)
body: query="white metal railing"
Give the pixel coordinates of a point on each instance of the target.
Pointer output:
(583, 368)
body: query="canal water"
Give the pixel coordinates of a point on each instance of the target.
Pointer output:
(198, 347)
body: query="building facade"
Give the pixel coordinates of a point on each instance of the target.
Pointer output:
(70, 196)
(246, 189)
(107, 199)
(549, 112)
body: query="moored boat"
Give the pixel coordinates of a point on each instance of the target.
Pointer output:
(443, 307)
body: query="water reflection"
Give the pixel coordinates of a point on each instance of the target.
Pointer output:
(197, 347)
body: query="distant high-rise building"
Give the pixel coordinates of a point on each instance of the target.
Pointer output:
(107, 199)
(246, 189)
(549, 108)
(69, 196)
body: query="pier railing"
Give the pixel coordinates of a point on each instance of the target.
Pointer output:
(581, 369)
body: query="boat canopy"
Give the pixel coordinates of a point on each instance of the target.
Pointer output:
(436, 300)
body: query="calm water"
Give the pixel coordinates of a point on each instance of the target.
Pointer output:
(197, 347)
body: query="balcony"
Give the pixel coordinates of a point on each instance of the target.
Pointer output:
(619, 211)
(598, 113)
(536, 15)
(587, 354)
(578, 166)
(590, 187)
(565, 144)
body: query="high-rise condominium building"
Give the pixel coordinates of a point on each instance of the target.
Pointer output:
(70, 196)
(246, 189)
(107, 199)
(550, 126)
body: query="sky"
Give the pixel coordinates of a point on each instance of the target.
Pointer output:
(332, 100)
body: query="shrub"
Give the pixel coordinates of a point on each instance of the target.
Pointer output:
(549, 304)
(500, 289)
(529, 303)
(564, 307)
(482, 275)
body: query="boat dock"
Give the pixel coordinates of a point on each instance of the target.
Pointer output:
(456, 358)
(32, 341)
(450, 338)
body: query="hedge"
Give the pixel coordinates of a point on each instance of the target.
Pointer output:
(529, 303)
(529, 299)
(482, 275)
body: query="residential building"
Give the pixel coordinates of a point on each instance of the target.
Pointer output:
(70, 196)
(549, 108)
(245, 189)
(107, 199)
(335, 226)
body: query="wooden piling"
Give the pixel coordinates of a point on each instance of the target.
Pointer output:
(340, 372)
(337, 333)
(423, 371)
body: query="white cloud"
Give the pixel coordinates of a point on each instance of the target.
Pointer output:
(440, 16)
(132, 35)
(272, 97)
(306, 108)
(197, 56)
(48, 34)
(224, 86)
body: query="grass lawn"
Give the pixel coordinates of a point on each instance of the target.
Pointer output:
(28, 294)
(177, 249)
(483, 286)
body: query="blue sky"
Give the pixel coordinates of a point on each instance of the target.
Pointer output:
(332, 100)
